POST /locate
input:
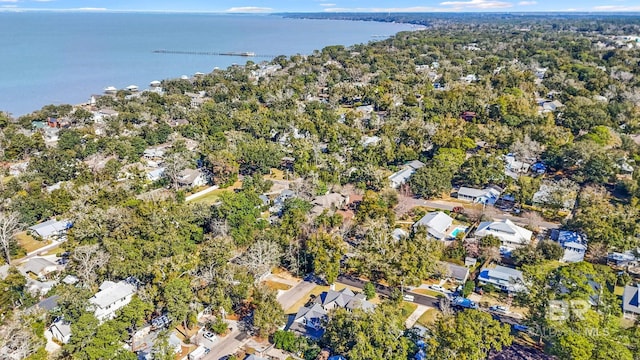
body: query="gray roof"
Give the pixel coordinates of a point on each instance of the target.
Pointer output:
(312, 314)
(344, 298)
(471, 192)
(511, 279)
(49, 303)
(36, 265)
(50, 227)
(436, 223)
(111, 292)
(415, 164)
(631, 299)
(253, 357)
(457, 271)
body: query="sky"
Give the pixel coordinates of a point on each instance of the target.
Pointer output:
(270, 6)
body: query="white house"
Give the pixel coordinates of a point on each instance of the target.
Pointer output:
(573, 243)
(400, 177)
(192, 178)
(61, 331)
(487, 196)
(111, 297)
(504, 278)
(511, 235)
(50, 229)
(38, 266)
(437, 223)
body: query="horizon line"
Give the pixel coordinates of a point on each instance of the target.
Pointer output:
(224, 12)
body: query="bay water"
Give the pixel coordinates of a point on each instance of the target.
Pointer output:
(63, 58)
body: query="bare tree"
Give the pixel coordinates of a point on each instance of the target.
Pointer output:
(526, 149)
(88, 259)
(261, 257)
(9, 226)
(173, 166)
(17, 338)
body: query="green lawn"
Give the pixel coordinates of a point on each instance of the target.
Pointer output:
(429, 317)
(214, 196)
(428, 292)
(29, 243)
(408, 309)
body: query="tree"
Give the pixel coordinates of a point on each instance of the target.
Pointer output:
(88, 259)
(429, 181)
(363, 335)
(326, 251)
(261, 258)
(550, 250)
(268, 314)
(9, 226)
(173, 165)
(177, 296)
(17, 339)
(470, 334)
(285, 340)
(369, 290)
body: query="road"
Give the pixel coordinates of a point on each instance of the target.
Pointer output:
(293, 295)
(417, 298)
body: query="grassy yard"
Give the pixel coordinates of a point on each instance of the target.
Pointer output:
(274, 285)
(429, 317)
(428, 292)
(408, 309)
(29, 243)
(214, 196)
(275, 174)
(618, 290)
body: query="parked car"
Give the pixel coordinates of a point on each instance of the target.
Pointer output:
(437, 288)
(498, 308)
(519, 327)
(209, 335)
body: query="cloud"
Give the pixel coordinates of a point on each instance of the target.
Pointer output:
(89, 9)
(327, 5)
(8, 1)
(249, 9)
(527, 3)
(616, 8)
(477, 4)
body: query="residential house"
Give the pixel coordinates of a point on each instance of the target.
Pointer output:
(330, 202)
(155, 153)
(196, 99)
(370, 141)
(401, 177)
(631, 301)
(192, 178)
(503, 278)
(39, 288)
(344, 298)
(437, 224)
(573, 243)
(309, 321)
(61, 331)
(47, 304)
(111, 297)
(50, 229)
(510, 234)
(513, 167)
(399, 234)
(487, 196)
(627, 258)
(155, 174)
(39, 267)
(456, 273)
(278, 202)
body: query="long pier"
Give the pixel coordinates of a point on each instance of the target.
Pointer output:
(213, 53)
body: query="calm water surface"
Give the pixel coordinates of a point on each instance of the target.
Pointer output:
(55, 58)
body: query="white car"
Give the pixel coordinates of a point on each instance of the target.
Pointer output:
(209, 336)
(437, 288)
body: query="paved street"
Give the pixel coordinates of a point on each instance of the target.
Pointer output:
(293, 295)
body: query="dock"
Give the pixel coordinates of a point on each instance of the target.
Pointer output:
(213, 53)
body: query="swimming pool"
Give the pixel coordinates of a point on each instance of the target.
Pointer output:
(458, 230)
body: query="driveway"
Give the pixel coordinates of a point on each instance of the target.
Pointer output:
(288, 298)
(228, 344)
